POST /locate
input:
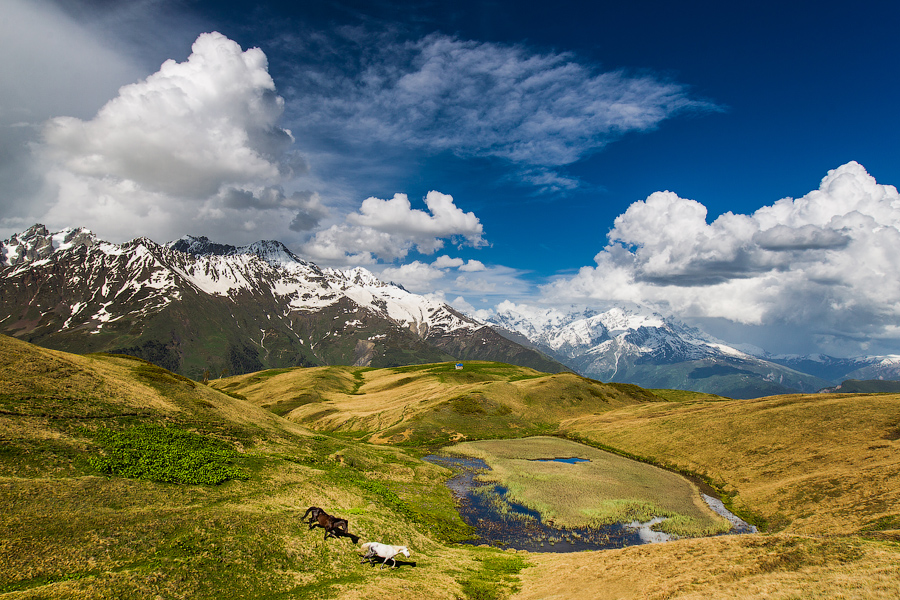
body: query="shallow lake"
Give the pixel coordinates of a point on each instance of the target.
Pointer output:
(522, 528)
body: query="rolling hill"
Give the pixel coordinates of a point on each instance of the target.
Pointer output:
(816, 471)
(431, 405)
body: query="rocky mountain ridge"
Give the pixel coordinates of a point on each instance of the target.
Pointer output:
(197, 307)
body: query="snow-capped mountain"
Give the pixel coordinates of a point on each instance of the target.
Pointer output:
(836, 370)
(195, 306)
(645, 348)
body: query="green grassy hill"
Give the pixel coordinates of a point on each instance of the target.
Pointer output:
(73, 528)
(106, 464)
(431, 405)
(868, 386)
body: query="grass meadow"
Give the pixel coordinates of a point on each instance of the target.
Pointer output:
(107, 466)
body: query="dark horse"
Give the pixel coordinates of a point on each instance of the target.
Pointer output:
(333, 526)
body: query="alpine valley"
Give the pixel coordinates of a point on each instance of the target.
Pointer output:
(202, 309)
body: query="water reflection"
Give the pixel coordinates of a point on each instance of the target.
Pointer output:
(738, 525)
(516, 526)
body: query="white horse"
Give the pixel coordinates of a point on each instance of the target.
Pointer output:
(374, 551)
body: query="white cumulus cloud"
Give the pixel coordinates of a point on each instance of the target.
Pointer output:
(825, 262)
(415, 276)
(186, 130)
(195, 145)
(445, 262)
(473, 266)
(390, 229)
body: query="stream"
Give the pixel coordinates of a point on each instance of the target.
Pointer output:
(522, 528)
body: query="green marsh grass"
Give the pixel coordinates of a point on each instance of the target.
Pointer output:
(607, 489)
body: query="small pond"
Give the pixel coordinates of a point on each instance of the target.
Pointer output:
(523, 529)
(569, 461)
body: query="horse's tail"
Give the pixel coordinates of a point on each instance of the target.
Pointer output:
(309, 510)
(365, 546)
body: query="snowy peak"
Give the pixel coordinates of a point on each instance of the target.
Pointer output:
(273, 252)
(635, 345)
(196, 306)
(201, 246)
(37, 243)
(356, 276)
(627, 330)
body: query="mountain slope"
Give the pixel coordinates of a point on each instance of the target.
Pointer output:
(646, 349)
(196, 307)
(836, 370)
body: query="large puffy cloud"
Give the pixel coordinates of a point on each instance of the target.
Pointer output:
(825, 262)
(195, 145)
(186, 130)
(389, 229)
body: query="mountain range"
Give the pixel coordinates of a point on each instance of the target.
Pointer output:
(204, 309)
(634, 345)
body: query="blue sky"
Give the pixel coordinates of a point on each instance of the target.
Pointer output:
(489, 152)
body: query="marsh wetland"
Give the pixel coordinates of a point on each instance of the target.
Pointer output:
(546, 494)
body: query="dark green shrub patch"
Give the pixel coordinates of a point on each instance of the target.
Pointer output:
(166, 454)
(497, 579)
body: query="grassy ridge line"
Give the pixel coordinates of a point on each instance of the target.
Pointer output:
(432, 405)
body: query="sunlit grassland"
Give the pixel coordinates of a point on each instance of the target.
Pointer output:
(821, 471)
(431, 405)
(607, 489)
(686, 395)
(770, 567)
(811, 464)
(71, 532)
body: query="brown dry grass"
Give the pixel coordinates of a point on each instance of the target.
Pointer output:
(811, 464)
(729, 567)
(388, 405)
